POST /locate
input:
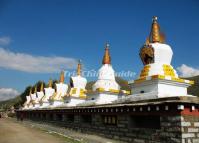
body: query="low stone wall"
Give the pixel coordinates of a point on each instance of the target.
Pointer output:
(172, 122)
(190, 129)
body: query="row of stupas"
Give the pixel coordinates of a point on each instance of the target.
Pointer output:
(157, 79)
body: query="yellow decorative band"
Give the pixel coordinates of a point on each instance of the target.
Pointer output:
(158, 77)
(114, 90)
(56, 96)
(164, 77)
(82, 96)
(168, 70)
(126, 92)
(145, 71)
(191, 82)
(100, 89)
(177, 79)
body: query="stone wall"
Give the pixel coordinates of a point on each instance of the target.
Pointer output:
(190, 129)
(163, 122)
(173, 129)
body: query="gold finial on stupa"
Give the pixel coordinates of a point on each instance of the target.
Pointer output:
(35, 89)
(79, 68)
(62, 77)
(147, 41)
(50, 83)
(42, 87)
(156, 35)
(107, 57)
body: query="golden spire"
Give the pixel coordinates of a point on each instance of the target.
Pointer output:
(62, 77)
(50, 83)
(35, 89)
(147, 41)
(107, 57)
(156, 35)
(42, 87)
(79, 68)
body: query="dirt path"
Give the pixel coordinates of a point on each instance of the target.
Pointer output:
(13, 132)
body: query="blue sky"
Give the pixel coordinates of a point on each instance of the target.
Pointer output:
(78, 29)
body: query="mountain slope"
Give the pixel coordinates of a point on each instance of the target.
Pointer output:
(194, 89)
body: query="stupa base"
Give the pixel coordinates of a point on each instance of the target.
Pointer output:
(73, 101)
(103, 98)
(162, 86)
(56, 103)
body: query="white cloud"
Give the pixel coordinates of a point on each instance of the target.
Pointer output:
(187, 71)
(8, 93)
(34, 64)
(5, 40)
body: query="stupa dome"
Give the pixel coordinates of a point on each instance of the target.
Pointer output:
(106, 78)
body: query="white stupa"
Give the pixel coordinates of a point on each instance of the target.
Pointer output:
(39, 96)
(28, 103)
(158, 78)
(77, 93)
(105, 89)
(34, 99)
(49, 91)
(61, 91)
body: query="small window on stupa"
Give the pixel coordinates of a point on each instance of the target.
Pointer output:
(142, 91)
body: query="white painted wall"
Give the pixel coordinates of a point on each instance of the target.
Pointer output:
(48, 93)
(103, 98)
(61, 89)
(106, 79)
(163, 88)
